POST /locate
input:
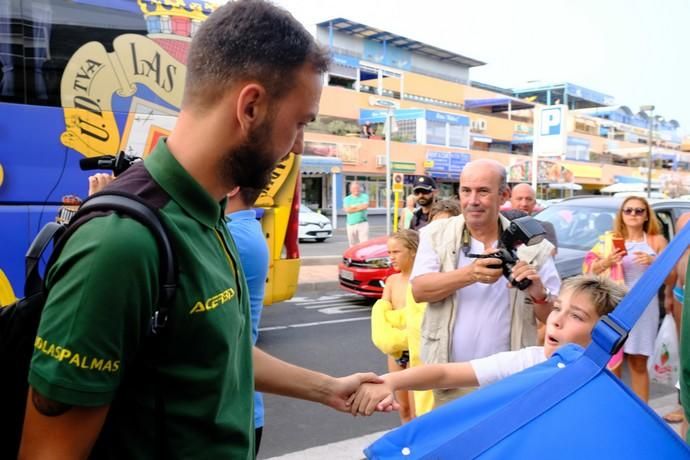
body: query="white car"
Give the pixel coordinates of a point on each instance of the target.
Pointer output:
(313, 226)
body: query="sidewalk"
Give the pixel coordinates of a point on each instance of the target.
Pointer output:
(352, 448)
(317, 278)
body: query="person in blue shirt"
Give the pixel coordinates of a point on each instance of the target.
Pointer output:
(246, 230)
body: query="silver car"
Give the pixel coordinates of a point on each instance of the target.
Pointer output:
(579, 221)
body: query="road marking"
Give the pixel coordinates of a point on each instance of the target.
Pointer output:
(340, 309)
(315, 305)
(317, 323)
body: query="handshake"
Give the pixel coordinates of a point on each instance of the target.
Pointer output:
(362, 394)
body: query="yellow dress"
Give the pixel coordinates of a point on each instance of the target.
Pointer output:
(423, 400)
(394, 331)
(389, 328)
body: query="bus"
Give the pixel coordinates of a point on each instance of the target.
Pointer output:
(85, 78)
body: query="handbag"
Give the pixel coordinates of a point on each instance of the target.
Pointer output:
(664, 364)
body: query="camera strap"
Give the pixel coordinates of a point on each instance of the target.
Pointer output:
(466, 239)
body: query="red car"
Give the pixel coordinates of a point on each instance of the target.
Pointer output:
(365, 267)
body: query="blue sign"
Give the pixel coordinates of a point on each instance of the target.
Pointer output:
(344, 60)
(447, 165)
(379, 115)
(446, 117)
(588, 94)
(551, 120)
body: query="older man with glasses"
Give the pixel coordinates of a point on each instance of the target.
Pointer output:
(425, 191)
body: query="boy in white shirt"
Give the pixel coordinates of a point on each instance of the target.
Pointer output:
(581, 302)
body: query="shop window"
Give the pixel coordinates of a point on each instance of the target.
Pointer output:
(407, 131)
(435, 132)
(343, 82)
(459, 136)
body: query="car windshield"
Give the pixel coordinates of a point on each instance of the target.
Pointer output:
(577, 227)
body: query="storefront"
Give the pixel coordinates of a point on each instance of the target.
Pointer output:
(321, 181)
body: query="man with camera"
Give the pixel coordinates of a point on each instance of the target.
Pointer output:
(473, 310)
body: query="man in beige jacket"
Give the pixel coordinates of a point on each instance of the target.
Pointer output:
(473, 312)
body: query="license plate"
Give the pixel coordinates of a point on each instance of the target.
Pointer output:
(347, 275)
(321, 233)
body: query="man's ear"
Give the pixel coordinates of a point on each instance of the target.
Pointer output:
(505, 194)
(234, 191)
(252, 104)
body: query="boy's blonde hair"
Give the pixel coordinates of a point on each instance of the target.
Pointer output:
(604, 294)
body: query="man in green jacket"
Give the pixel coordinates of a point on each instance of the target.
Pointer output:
(99, 386)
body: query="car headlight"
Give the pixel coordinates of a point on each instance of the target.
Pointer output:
(378, 262)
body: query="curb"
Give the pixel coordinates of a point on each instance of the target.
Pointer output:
(313, 286)
(321, 260)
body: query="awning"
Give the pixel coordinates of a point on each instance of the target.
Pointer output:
(498, 104)
(629, 180)
(522, 140)
(565, 186)
(478, 138)
(312, 164)
(623, 187)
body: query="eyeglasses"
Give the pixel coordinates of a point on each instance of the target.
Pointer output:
(422, 192)
(634, 211)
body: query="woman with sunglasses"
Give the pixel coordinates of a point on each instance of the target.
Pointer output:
(637, 225)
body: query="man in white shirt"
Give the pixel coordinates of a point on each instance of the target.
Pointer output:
(472, 311)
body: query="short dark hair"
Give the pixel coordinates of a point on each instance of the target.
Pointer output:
(248, 40)
(248, 195)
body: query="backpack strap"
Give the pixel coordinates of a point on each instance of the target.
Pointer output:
(138, 209)
(33, 282)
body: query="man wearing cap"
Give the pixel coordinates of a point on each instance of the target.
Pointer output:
(425, 191)
(356, 205)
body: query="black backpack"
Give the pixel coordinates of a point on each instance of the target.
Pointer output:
(19, 321)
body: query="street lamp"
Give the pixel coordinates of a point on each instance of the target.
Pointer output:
(650, 109)
(391, 106)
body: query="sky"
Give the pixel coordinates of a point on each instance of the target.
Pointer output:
(633, 50)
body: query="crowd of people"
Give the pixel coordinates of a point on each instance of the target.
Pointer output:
(473, 314)
(448, 321)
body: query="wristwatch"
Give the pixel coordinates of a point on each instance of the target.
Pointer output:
(545, 300)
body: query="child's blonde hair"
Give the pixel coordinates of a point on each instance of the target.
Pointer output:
(409, 239)
(604, 294)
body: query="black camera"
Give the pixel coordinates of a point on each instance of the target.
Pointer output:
(117, 164)
(524, 230)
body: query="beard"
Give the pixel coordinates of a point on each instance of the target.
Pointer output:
(423, 201)
(250, 165)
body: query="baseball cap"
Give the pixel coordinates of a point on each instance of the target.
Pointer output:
(425, 183)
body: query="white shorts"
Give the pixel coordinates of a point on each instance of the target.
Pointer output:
(358, 233)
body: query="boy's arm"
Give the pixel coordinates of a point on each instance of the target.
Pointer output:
(371, 397)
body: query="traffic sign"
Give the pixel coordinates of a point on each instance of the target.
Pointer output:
(398, 180)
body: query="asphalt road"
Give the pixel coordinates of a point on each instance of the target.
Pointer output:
(328, 332)
(335, 245)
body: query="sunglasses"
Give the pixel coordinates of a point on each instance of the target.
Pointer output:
(634, 211)
(422, 192)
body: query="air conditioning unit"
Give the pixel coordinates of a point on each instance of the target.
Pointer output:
(380, 161)
(479, 125)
